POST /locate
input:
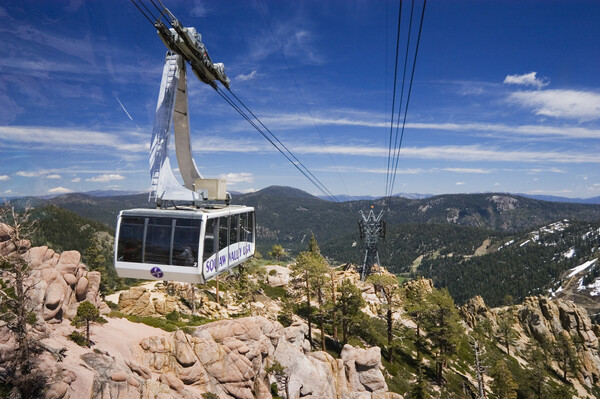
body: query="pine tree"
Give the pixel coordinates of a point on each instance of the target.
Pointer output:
(506, 331)
(86, 314)
(443, 328)
(389, 287)
(503, 385)
(350, 302)
(277, 252)
(565, 354)
(537, 374)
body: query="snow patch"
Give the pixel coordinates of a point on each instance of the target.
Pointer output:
(570, 253)
(595, 287)
(524, 243)
(581, 268)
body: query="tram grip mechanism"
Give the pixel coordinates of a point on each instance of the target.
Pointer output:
(211, 189)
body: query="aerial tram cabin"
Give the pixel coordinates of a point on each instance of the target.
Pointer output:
(187, 245)
(196, 238)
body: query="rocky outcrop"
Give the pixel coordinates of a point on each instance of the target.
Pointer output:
(475, 310)
(545, 319)
(59, 281)
(542, 320)
(230, 358)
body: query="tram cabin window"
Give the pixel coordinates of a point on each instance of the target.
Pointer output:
(185, 242)
(234, 229)
(159, 240)
(210, 247)
(223, 232)
(131, 239)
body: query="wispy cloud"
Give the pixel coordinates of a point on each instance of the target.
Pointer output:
(198, 9)
(234, 178)
(468, 170)
(38, 173)
(4, 177)
(76, 180)
(59, 190)
(105, 178)
(571, 104)
(69, 138)
(527, 79)
(53, 176)
(249, 76)
(375, 120)
(460, 183)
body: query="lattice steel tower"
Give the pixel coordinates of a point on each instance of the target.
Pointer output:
(371, 228)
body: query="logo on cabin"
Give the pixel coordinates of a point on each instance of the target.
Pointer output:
(156, 272)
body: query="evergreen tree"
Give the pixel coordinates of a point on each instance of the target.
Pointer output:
(350, 302)
(313, 247)
(311, 268)
(443, 328)
(536, 374)
(503, 386)
(277, 252)
(388, 285)
(86, 314)
(565, 354)
(98, 257)
(506, 330)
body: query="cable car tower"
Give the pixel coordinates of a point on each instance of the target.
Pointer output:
(371, 229)
(197, 239)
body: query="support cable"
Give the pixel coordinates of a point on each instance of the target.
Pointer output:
(409, 92)
(393, 101)
(295, 161)
(396, 149)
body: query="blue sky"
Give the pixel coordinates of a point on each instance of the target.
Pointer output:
(506, 95)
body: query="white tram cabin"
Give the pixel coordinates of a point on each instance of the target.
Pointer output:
(187, 245)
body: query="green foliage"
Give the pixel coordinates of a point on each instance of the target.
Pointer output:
(285, 317)
(162, 322)
(349, 304)
(86, 314)
(503, 385)
(274, 389)
(277, 252)
(173, 316)
(443, 329)
(78, 338)
(516, 270)
(506, 330)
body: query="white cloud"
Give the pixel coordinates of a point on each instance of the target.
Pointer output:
(460, 183)
(8, 192)
(580, 105)
(198, 9)
(248, 190)
(71, 139)
(528, 79)
(4, 177)
(468, 170)
(242, 177)
(249, 76)
(76, 180)
(53, 177)
(358, 169)
(374, 120)
(59, 190)
(105, 178)
(23, 173)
